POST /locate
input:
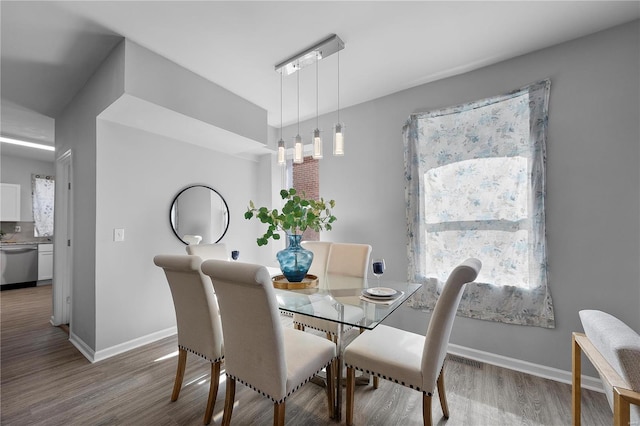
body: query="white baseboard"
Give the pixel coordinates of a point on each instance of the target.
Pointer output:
(95, 356)
(81, 346)
(550, 373)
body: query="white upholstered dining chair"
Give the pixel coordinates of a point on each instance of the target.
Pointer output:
(344, 259)
(348, 259)
(320, 250)
(197, 317)
(262, 354)
(209, 251)
(411, 359)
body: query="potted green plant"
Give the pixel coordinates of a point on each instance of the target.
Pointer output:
(297, 215)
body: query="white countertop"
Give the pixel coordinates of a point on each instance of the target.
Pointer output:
(16, 243)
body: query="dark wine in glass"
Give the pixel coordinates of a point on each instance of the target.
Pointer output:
(235, 254)
(378, 268)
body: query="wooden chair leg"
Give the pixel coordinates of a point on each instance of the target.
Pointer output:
(228, 401)
(331, 386)
(351, 384)
(278, 414)
(442, 394)
(575, 382)
(213, 391)
(426, 409)
(177, 385)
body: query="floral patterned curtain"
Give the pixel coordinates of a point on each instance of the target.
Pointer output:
(43, 192)
(475, 187)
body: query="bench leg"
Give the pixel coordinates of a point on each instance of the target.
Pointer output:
(621, 410)
(575, 383)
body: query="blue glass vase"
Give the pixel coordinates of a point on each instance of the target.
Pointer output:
(295, 261)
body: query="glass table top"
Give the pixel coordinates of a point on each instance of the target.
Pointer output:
(348, 300)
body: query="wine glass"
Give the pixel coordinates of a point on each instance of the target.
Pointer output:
(378, 268)
(235, 254)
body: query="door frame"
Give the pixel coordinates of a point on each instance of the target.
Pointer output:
(63, 251)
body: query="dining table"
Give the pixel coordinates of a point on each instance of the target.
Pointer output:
(351, 302)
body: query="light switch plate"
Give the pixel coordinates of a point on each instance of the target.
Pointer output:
(118, 234)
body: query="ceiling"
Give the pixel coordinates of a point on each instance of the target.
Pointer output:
(49, 49)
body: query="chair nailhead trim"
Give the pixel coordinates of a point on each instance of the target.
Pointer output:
(346, 328)
(237, 379)
(388, 378)
(201, 355)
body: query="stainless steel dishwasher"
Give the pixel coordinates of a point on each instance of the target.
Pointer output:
(19, 264)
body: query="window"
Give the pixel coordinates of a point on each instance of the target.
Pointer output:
(43, 192)
(475, 188)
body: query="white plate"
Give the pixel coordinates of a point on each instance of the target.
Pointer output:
(380, 292)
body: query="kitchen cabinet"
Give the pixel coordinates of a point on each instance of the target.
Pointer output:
(45, 261)
(10, 206)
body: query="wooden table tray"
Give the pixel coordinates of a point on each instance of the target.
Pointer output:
(309, 281)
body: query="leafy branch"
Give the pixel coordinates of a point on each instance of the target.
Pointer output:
(297, 215)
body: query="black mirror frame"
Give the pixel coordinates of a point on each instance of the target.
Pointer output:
(198, 186)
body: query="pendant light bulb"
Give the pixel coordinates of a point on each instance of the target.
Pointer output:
(281, 153)
(317, 145)
(297, 150)
(338, 140)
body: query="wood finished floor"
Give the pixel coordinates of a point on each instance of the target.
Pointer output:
(44, 380)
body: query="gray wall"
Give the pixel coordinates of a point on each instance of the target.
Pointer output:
(133, 299)
(76, 131)
(593, 201)
(158, 80)
(127, 178)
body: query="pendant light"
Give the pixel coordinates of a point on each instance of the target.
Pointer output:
(317, 140)
(338, 134)
(323, 49)
(297, 141)
(281, 151)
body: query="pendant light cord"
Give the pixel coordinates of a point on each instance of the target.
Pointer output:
(298, 77)
(281, 92)
(317, 94)
(338, 86)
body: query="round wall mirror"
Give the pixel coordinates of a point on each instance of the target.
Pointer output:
(199, 215)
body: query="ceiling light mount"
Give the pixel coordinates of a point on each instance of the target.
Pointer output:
(320, 50)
